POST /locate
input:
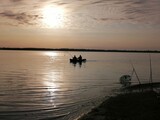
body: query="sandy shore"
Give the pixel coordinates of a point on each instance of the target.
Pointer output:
(128, 106)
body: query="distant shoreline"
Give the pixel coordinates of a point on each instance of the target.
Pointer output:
(80, 50)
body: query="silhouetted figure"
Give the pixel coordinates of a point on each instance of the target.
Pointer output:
(80, 58)
(74, 58)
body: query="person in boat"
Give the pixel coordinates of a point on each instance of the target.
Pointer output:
(74, 58)
(80, 58)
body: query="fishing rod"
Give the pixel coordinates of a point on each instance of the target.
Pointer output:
(134, 71)
(70, 54)
(150, 69)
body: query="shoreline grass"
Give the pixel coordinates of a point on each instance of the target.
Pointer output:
(127, 106)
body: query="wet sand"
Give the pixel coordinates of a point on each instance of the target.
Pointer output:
(128, 106)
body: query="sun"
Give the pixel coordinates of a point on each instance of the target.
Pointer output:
(53, 16)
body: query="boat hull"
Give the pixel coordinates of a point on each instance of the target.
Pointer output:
(77, 61)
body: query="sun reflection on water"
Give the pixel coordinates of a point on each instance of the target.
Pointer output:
(51, 54)
(51, 77)
(51, 86)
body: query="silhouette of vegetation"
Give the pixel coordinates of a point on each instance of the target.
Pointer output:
(127, 106)
(72, 49)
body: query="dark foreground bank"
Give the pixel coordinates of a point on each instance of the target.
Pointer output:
(128, 106)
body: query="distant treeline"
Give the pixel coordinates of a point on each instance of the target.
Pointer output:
(84, 50)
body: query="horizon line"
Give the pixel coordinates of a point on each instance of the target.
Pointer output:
(78, 49)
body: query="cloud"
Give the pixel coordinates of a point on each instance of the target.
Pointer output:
(97, 11)
(16, 0)
(130, 11)
(109, 19)
(21, 18)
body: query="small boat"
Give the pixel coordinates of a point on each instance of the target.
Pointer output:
(77, 61)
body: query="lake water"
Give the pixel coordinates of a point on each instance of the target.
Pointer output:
(42, 85)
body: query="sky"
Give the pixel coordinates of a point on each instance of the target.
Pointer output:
(91, 24)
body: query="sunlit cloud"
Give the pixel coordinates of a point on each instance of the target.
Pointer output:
(77, 23)
(84, 13)
(20, 18)
(133, 11)
(16, 0)
(53, 16)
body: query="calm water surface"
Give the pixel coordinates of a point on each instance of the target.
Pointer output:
(40, 85)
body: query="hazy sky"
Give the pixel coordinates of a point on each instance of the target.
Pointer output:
(98, 24)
